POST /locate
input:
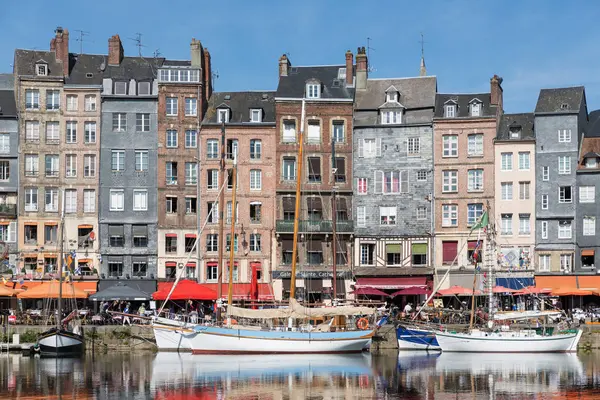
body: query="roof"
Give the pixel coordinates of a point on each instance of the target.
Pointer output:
(8, 107)
(84, 64)
(240, 104)
(590, 147)
(523, 120)
(293, 85)
(561, 100)
(414, 93)
(138, 68)
(593, 127)
(463, 100)
(177, 63)
(7, 82)
(25, 61)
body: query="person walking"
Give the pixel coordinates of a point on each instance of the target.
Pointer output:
(126, 316)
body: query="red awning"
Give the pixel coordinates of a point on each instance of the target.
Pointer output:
(242, 291)
(458, 291)
(369, 292)
(191, 264)
(190, 235)
(411, 291)
(391, 283)
(185, 290)
(170, 264)
(171, 235)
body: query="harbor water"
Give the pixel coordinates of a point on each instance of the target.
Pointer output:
(362, 376)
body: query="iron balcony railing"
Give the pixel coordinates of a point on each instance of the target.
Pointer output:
(322, 226)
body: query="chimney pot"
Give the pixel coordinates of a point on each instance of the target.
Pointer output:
(60, 46)
(284, 65)
(496, 91)
(349, 68)
(361, 69)
(196, 53)
(115, 50)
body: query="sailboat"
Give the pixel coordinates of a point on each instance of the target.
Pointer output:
(60, 341)
(235, 339)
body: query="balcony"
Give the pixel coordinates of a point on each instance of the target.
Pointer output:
(307, 226)
(8, 210)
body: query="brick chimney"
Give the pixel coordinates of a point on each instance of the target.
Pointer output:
(361, 69)
(207, 75)
(60, 46)
(496, 91)
(284, 65)
(115, 50)
(196, 53)
(349, 69)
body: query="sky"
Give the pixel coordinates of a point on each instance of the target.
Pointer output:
(531, 44)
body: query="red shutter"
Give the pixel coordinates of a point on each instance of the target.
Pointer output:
(450, 249)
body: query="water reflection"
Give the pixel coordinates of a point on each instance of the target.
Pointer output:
(392, 376)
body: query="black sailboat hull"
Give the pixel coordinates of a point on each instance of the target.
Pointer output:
(61, 343)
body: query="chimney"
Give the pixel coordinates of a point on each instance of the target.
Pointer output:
(115, 50)
(196, 53)
(349, 69)
(60, 46)
(284, 65)
(361, 69)
(496, 91)
(207, 75)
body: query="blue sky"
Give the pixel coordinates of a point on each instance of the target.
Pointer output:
(531, 44)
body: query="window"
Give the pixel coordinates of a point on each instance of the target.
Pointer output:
(52, 162)
(222, 115)
(255, 242)
(391, 182)
(52, 132)
(391, 97)
(506, 224)
(171, 173)
(32, 131)
(117, 199)
(387, 215)
(232, 148)
(421, 212)
(475, 109)
(544, 263)
(171, 243)
(393, 254)
(228, 212)
(369, 148)
(314, 132)
(524, 163)
(89, 132)
(474, 212)
(339, 170)
(449, 181)
(475, 144)
(212, 272)
(212, 179)
(31, 199)
(524, 224)
(564, 165)
(589, 226)
(367, 253)
(339, 136)
(564, 194)
(31, 164)
(8, 232)
(515, 132)
(31, 235)
(171, 106)
(449, 215)
(475, 180)
(51, 234)
(141, 160)
(52, 100)
(51, 199)
(191, 139)
(189, 242)
(50, 265)
(41, 70)
(119, 122)
(419, 253)
(391, 117)
(414, 146)
(524, 190)
(361, 216)
(255, 149)
(89, 165)
(116, 235)
(289, 131)
(545, 173)
(506, 161)
(212, 243)
(361, 185)
(140, 265)
(118, 160)
(449, 251)
(255, 212)
(90, 102)
(449, 111)
(544, 202)
(212, 149)
(70, 165)
(564, 136)
(566, 262)
(422, 175)
(191, 107)
(212, 212)
(120, 87)
(591, 162)
(564, 230)
(4, 171)
(587, 194)
(191, 173)
(72, 102)
(288, 168)
(71, 134)
(507, 190)
(171, 205)
(255, 179)
(32, 99)
(179, 75)
(313, 90)
(70, 201)
(140, 200)
(544, 229)
(256, 115)
(89, 200)
(142, 122)
(450, 145)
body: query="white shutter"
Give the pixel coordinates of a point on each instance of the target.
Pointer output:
(12, 232)
(378, 181)
(378, 146)
(361, 146)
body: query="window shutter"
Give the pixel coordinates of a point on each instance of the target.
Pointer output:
(12, 232)
(378, 181)
(361, 145)
(378, 146)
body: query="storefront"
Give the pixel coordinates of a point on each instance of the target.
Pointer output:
(311, 286)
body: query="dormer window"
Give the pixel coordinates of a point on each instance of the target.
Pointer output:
(391, 97)
(591, 162)
(450, 110)
(313, 90)
(391, 117)
(475, 109)
(515, 132)
(121, 87)
(256, 115)
(41, 69)
(222, 115)
(143, 88)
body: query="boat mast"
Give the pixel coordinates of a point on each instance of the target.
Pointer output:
(60, 261)
(297, 207)
(221, 239)
(334, 220)
(232, 237)
(489, 259)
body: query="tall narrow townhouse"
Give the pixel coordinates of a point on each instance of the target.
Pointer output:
(514, 209)
(128, 165)
(329, 95)
(9, 174)
(464, 130)
(560, 120)
(183, 87)
(249, 122)
(393, 190)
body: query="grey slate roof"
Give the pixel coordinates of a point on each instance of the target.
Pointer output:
(83, 64)
(414, 93)
(593, 128)
(7, 82)
(138, 68)
(524, 120)
(463, 100)
(240, 104)
(25, 61)
(177, 63)
(293, 85)
(561, 100)
(7, 104)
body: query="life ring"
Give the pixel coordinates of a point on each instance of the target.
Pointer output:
(362, 324)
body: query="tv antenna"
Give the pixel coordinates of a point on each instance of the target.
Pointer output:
(80, 39)
(138, 42)
(156, 53)
(215, 76)
(369, 48)
(422, 41)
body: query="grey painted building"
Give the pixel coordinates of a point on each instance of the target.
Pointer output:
(560, 121)
(393, 176)
(128, 165)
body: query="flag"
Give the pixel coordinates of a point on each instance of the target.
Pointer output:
(482, 223)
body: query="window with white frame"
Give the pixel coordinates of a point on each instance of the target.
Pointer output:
(119, 123)
(545, 173)
(391, 117)
(421, 212)
(313, 90)
(391, 97)
(449, 181)
(288, 168)
(117, 199)
(314, 132)
(171, 138)
(4, 143)
(191, 107)
(450, 110)
(475, 144)
(414, 146)
(89, 132)
(524, 224)
(31, 199)
(72, 101)
(52, 132)
(544, 263)
(544, 229)
(228, 212)
(141, 160)
(475, 180)
(70, 201)
(367, 253)
(506, 224)
(289, 131)
(361, 185)
(32, 131)
(41, 69)
(507, 190)
(191, 139)
(475, 109)
(255, 149)
(564, 230)
(118, 160)
(422, 175)
(120, 88)
(222, 115)
(51, 199)
(255, 179)
(142, 122)
(387, 215)
(52, 165)
(474, 212)
(544, 202)
(255, 115)
(339, 135)
(565, 194)
(361, 216)
(171, 106)
(255, 244)
(143, 88)
(70, 165)
(140, 199)
(4, 170)
(171, 172)
(524, 190)
(564, 136)
(449, 215)
(89, 165)
(32, 165)
(591, 162)
(212, 149)
(391, 182)
(450, 145)
(32, 99)
(369, 148)
(52, 100)
(589, 226)
(507, 161)
(191, 173)
(90, 102)
(564, 165)
(89, 200)
(71, 134)
(566, 262)
(587, 194)
(524, 162)
(212, 179)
